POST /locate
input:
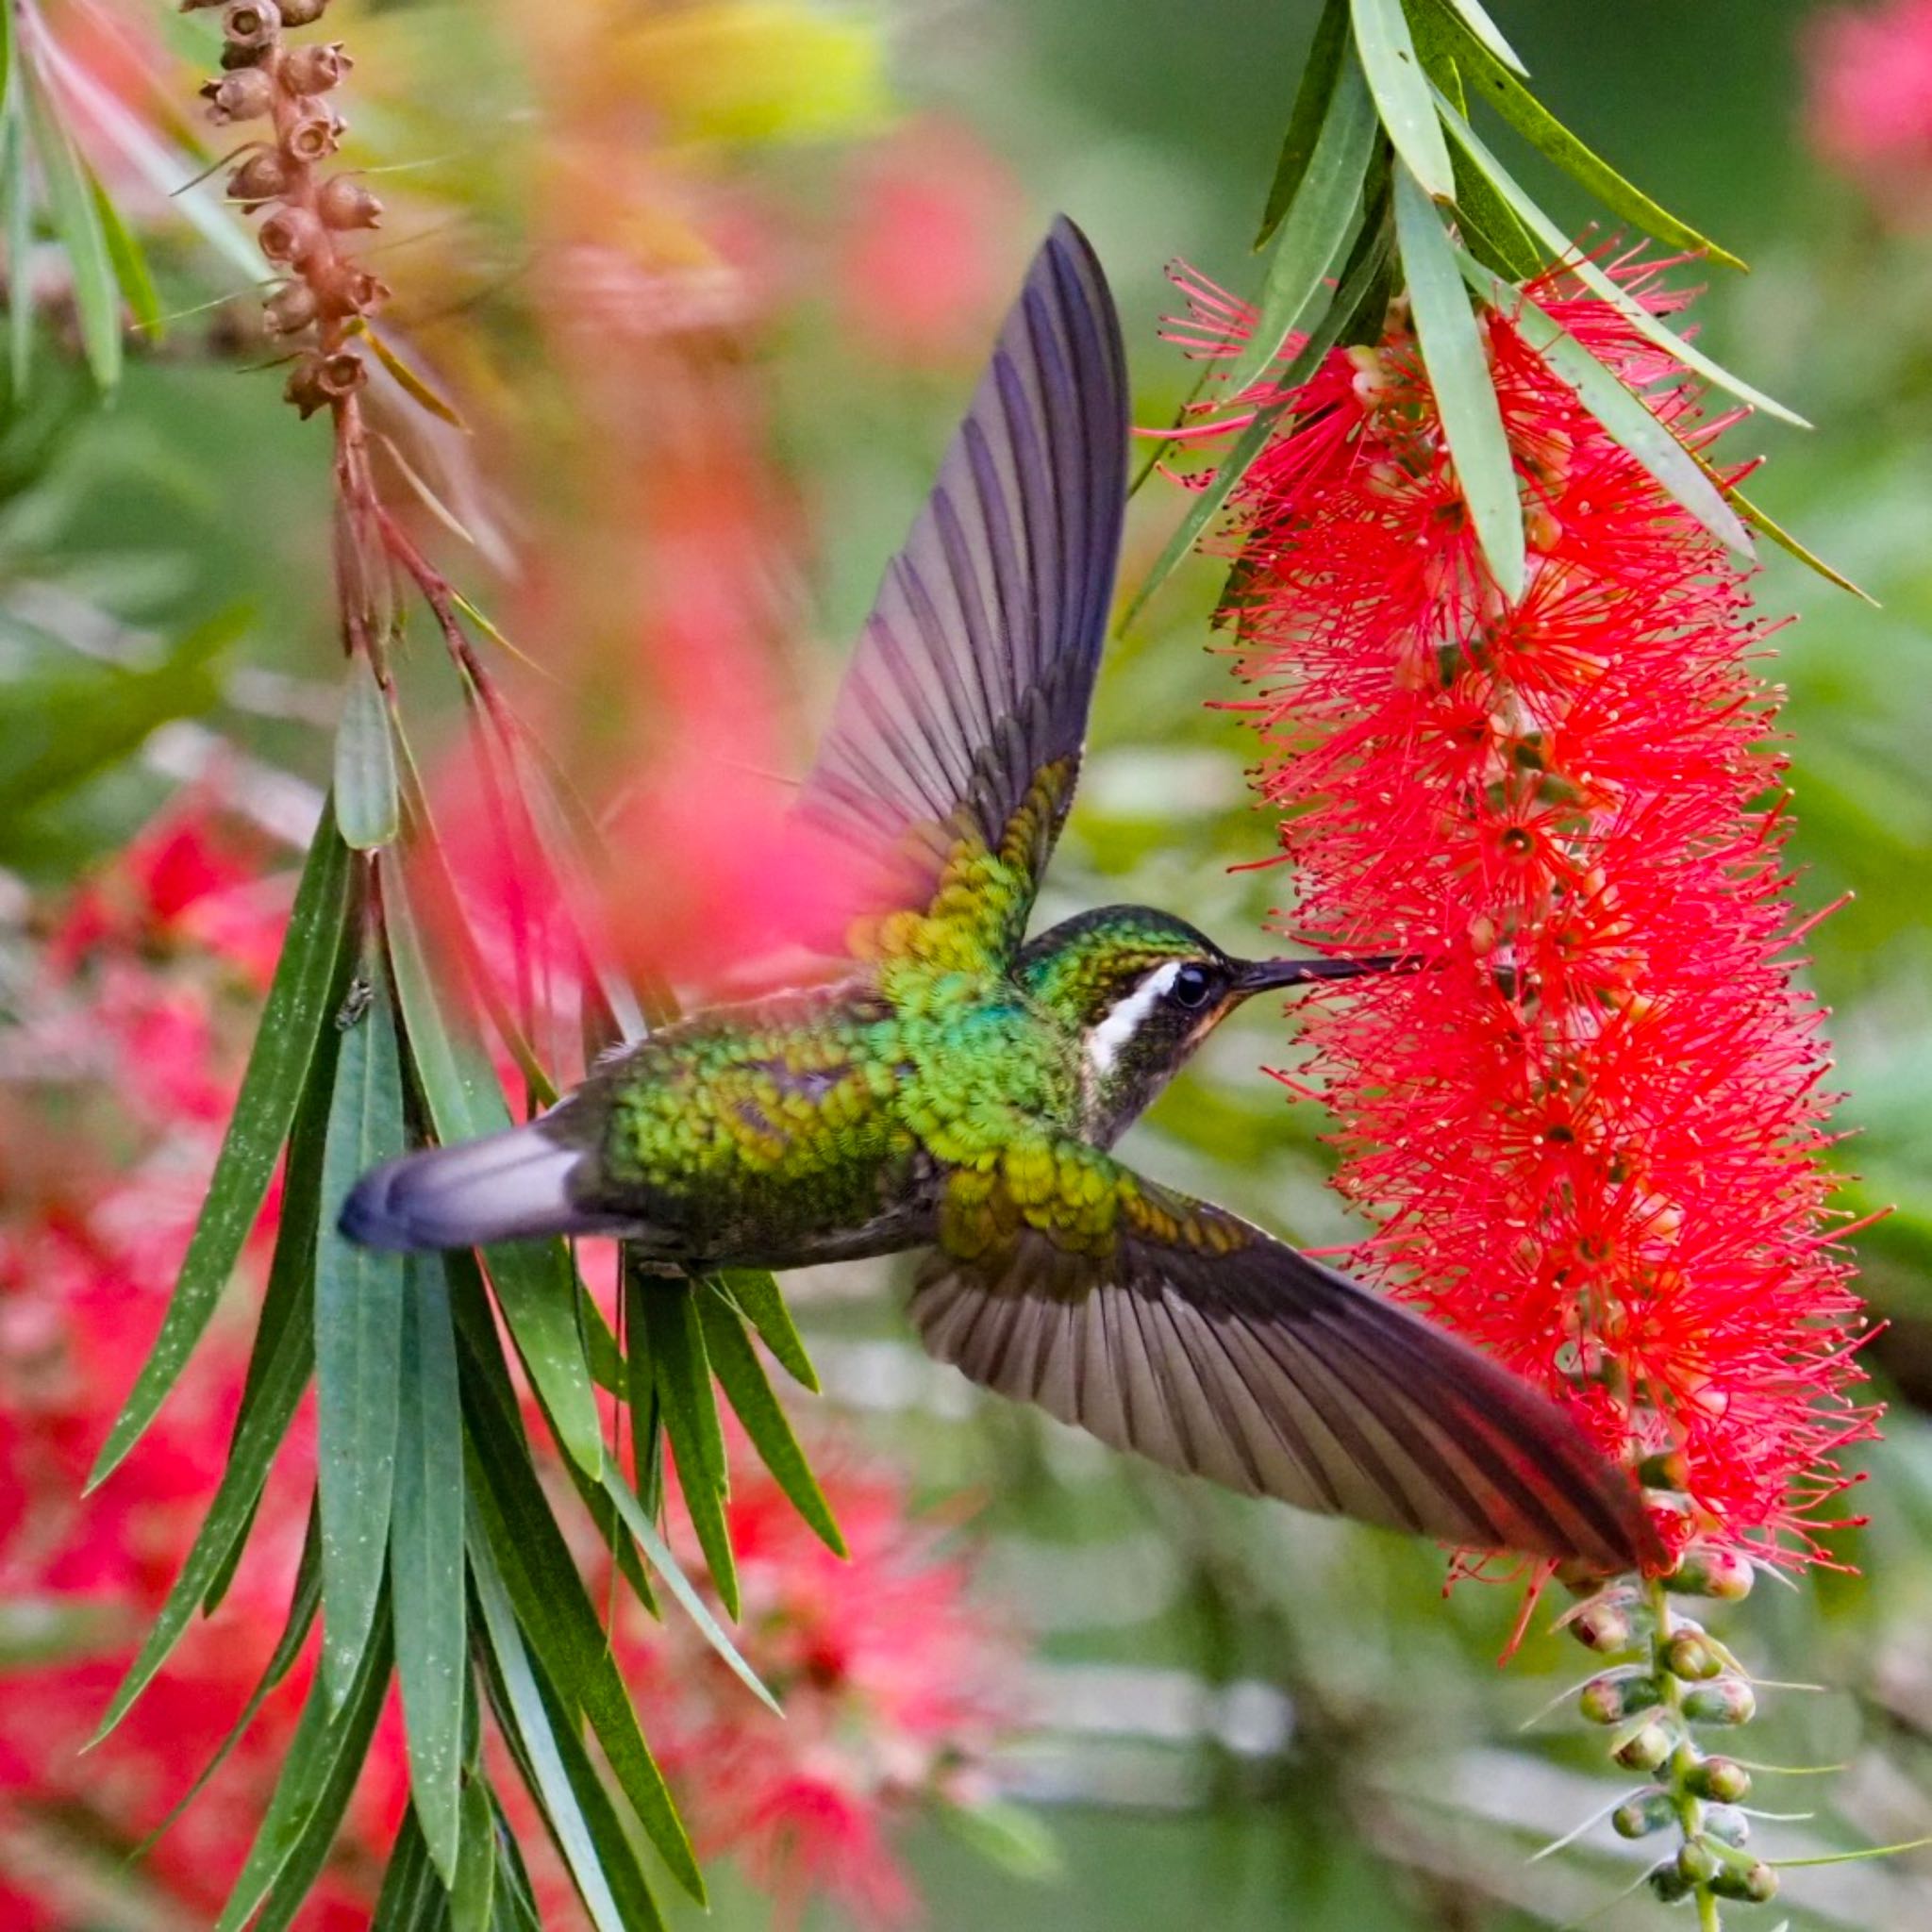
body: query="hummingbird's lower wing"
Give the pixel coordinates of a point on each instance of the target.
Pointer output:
(1195, 1339)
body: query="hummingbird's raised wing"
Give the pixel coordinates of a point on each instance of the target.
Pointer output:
(949, 761)
(1191, 1336)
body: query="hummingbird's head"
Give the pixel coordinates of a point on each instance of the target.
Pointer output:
(1143, 989)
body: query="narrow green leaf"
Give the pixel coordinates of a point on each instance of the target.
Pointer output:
(1587, 272)
(18, 199)
(418, 391)
(293, 1019)
(281, 1380)
(662, 1558)
(71, 208)
(1208, 503)
(534, 1281)
(367, 805)
(1315, 230)
(1319, 74)
(6, 56)
(683, 1377)
(1401, 93)
(1620, 410)
(1487, 72)
(359, 1315)
(411, 1899)
(754, 1293)
(1762, 522)
(473, 1896)
(552, 1608)
(318, 1777)
(130, 264)
(736, 1364)
(1478, 21)
(304, 1601)
(1452, 347)
(538, 1744)
(426, 1561)
(640, 1391)
(516, 1898)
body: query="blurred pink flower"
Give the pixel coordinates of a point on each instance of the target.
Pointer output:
(1868, 107)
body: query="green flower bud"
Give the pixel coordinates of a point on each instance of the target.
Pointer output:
(1603, 1627)
(1754, 1882)
(1669, 1884)
(1689, 1656)
(1617, 1694)
(1726, 1823)
(1697, 1864)
(1707, 1571)
(1723, 1701)
(1644, 1812)
(1645, 1750)
(1723, 1780)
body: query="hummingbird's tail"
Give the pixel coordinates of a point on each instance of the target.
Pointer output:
(508, 1187)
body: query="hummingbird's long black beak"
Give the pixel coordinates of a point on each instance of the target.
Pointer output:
(1267, 975)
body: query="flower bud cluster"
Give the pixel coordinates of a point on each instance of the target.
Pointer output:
(1671, 1679)
(279, 94)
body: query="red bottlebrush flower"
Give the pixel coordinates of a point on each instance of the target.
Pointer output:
(1590, 1129)
(1868, 101)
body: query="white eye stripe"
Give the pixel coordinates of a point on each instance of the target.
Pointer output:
(1123, 1020)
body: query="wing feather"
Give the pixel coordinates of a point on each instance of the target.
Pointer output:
(1220, 1352)
(975, 668)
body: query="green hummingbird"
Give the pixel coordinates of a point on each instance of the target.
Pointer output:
(956, 1087)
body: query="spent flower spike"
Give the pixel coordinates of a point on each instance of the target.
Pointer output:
(1590, 1131)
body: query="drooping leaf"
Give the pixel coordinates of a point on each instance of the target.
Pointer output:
(1622, 413)
(552, 1607)
(756, 1294)
(1765, 525)
(665, 1561)
(358, 1316)
(1401, 93)
(293, 1019)
(367, 807)
(413, 384)
(1452, 347)
(324, 1757)
(682, 1374)
(534, 1280)
(1484, 70)
(304, 1601)
(541, 1747)
(1208, 503)
(412, 1898)
(736, 1364)
(427, 1562)
(1315, 230)
(1318, 79)
(473, 1896)
(130, 264)
(1593, 277)
(77, 224)
(286, 1354)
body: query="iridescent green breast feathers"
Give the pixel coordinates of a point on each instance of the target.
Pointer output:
(958, 1089)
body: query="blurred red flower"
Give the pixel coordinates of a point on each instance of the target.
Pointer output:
(1868, 101)
(1592, 1130)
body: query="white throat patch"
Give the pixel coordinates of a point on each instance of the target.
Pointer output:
(1104, 1042)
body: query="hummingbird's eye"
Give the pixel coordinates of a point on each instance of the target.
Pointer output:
(1192, 987)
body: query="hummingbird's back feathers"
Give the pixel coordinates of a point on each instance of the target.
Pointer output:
(957, 729)
(1174, 1328)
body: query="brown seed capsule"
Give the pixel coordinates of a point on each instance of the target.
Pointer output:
(244, 97)
(316, 381)
(289, 310)
(354, 291)
(342, 202)
(290, 236)
(263, 176)
(315, 133)
(303, 12)
(315, 69)
(252, 23)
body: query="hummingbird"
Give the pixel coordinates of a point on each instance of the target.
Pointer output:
(956, 1087)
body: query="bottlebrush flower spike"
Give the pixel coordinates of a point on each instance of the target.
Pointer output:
(1590, 1133)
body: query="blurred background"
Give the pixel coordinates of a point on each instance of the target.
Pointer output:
(708, 284)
